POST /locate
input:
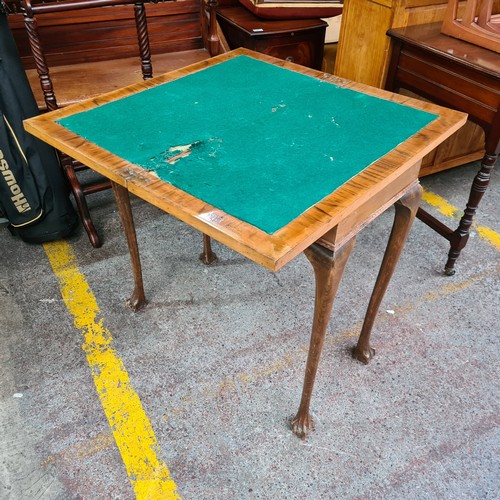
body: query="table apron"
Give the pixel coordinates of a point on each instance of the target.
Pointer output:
(369, 210)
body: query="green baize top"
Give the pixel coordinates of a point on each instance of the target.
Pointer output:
(258, 141)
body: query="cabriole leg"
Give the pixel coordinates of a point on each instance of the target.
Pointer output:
(328, 268)
(406, 209)
(138, 299)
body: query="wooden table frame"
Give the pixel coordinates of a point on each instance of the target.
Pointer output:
(326, 231)
(463, 76)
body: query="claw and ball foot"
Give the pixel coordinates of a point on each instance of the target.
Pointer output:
(364, 356)
(302, 425)
(137, 301)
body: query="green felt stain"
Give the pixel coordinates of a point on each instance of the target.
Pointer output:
(257, 141)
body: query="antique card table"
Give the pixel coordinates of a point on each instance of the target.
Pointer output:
(270, 158)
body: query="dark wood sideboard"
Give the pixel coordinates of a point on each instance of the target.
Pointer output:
(296, 40)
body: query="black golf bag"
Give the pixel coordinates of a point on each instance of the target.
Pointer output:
(34, 197)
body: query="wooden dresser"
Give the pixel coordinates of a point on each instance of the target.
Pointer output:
(458, 75)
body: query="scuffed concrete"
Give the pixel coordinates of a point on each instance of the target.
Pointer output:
(217, 358)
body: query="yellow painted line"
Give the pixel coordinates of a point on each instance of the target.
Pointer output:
(492, 237)
(129, 423)
(441, 204)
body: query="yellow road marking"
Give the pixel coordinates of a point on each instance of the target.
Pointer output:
(441, 204)
(131, 428)
(492, 237)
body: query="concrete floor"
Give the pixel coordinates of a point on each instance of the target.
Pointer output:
(214, 364)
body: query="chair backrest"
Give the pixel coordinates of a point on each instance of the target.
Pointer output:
(80, 34)
(31, 11)
(479, 24)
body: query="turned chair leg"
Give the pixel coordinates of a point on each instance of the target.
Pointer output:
(81, 202)
(460, 236)
(138, 299)
(328, 268)
(406, 209)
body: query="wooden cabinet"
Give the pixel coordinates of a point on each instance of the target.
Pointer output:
(363, 51)
(297, 40)
(363, 55)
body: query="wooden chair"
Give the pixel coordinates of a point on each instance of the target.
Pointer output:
(88, 46)
(478, 24)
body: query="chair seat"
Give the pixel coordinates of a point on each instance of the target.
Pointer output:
(98, 77)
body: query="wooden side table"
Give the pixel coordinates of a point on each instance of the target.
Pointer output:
(459, 75)
(304, 183)
(295, 40)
